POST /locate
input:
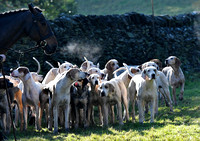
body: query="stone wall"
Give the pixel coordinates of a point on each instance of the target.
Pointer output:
(132, 38)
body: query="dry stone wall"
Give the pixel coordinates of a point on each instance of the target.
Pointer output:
(132, 38)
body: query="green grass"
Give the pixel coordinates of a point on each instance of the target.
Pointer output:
(161, 7)
(182, 124)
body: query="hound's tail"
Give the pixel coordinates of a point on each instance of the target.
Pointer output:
(38, 63)
(49, 64)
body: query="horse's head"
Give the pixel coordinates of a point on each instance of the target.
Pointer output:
(40, 31)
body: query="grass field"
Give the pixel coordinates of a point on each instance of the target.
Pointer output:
(161, 7)
(182, 124)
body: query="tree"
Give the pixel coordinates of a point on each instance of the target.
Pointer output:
(52, 8)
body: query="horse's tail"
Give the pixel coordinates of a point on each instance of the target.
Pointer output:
(49, 64)
(38, 63)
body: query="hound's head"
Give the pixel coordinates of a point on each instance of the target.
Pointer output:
(158, 62)
(112, 65)
(94, 70)
(22, 73)
(148, 64)
(94, 79)
(81, 83)
(84, 66)
(149, 73)
(37, 77)
(173, 61)
(106, 88)
(64, 67)
(76, 74)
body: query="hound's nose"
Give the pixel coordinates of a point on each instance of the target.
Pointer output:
(87, 74)
(103, 94)
(153, 76)
(96, 82)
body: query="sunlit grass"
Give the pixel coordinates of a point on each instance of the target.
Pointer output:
(182, 124)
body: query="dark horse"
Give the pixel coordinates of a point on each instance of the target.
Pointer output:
(26, 22)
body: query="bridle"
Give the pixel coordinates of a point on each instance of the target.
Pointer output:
(41, 43)
(37, 18)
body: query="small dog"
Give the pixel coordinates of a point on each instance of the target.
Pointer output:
(110, 67)
(175, 76)
(158, 62)
(94, 96)
(31, 91)
(61, 95)
(44, 98)
(162, 85)
(143, 87)
(86, 65)
(4, 107)
(113, 92)
(79, 97)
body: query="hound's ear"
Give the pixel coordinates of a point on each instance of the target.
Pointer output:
(89, 78)
(84, 66)
(108, 65)
(177, 62)
(140, 67)
(70, 74)
(59, 70)
(143, 66)
(32, 9)
(144, 74)
(27, 76)
(111, 88)
(85, 81)
(134, 70)
(89, 71)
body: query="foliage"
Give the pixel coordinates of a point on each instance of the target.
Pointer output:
(52, 7)
(183, 124)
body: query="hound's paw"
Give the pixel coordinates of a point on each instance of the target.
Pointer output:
(55, 131)
(141, 122)
(76, 126)
(167, 104)
(180, 98)
(67, 130)
(86, 125)
(121, 123)
(152, 121)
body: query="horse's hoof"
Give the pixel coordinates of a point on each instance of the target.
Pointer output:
(50, 129)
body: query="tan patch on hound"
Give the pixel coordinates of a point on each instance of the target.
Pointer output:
(23, 70)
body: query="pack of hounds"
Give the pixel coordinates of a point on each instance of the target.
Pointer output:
(73, 97)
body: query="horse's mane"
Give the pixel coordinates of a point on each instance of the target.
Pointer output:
(7, 13)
